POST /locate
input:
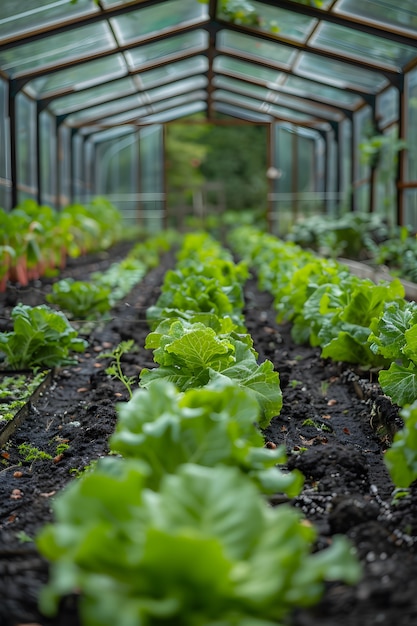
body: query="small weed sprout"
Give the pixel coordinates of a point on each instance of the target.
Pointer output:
(115, 368)
(294, 383)
(31, 453)
(23, 537)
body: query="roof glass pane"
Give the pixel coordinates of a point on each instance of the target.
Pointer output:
(264, 17)
(92, 97)
(172, 89)
(176, 113)
(243, 114)
(168, 46)
(157, 18)
(304, 87)
(99, 111)
(358, 45)
(174, 71)
(265, 50)
(38, 13)
(401, 14)
(242, 69)
(80, 76)
(241, 86)
(262, 107)
(57, 48)
(340, 74)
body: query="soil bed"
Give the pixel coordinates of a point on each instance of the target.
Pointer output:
(335, 423)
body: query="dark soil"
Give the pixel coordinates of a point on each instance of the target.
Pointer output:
(335, 423)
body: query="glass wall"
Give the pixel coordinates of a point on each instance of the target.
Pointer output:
(363, 130)
(152, 205)
(48, 157)
(5, 182)
(117, 171)
(26, 147)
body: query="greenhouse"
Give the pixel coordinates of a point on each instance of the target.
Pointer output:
(88, 90)
(208, 313)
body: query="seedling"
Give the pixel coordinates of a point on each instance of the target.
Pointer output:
(31, 453)
(294, 383)
(318, 425)
(115, 369)
(23, 537)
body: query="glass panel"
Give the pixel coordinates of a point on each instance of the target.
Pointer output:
(411, 124)
(176, 113)
(362, 196)
(410, 208)
(174, 71)
(363, 130)
(64, 164)
(48, 155)
(262, 107)
(346, 174)
(224, 82)
(152, 178)
(172, 89)
(386, 189)
(37, 13)
(57, 48)
(264, 17)
(78, 167)
(116, 173)
(5, 183)
(26, 146)
(80, 76)
(339, 74)
(167, 47)
(94, 96)
(387, 106)
(162, 16)
(266, 50)
(401, 14)
(244, 69)
(242, 114)
(123, 104)
(357, 45)
(304, 87)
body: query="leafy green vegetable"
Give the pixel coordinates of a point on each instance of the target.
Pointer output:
(193, 355)
(206, 426)
(401, 458)
(182, 555)
(394, 335)
(41, 337)
(81, 299)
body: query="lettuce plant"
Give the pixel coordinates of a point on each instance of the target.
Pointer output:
(192, 355)
(204, 549)
(205, 426)
(80, 299)
(41, 337)
(401, 458)
(394, 336)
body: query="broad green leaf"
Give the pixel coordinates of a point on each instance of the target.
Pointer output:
(401, 458)
(400, 383)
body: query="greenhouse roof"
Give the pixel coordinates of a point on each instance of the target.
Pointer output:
(115, 63)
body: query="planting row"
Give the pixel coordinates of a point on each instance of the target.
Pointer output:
(174, 526)
(45, 337)
(36, 240)
(353, 320)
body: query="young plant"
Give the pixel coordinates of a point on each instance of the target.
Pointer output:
(194, 355)
(114, 370)
(206, 426)
(41, 337)
(182, 555)
(81, 299)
